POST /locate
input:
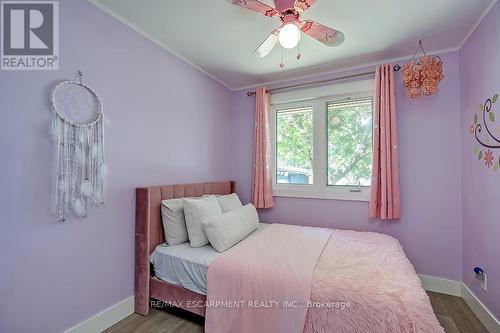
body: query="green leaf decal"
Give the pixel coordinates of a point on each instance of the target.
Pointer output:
(495, 98)
(492, 116)
(480, 156)
(482, 107)
(495, 166)
(476, 150)
(475, 119)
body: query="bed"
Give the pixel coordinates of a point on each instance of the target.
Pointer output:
(186, 266)
(149, 234)
(337, 280)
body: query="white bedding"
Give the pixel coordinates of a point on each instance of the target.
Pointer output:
(186, 266)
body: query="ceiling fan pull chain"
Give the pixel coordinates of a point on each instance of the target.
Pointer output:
(282, 64)
(298, 50)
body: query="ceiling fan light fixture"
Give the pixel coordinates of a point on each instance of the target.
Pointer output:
(290, 30)
(289, 36)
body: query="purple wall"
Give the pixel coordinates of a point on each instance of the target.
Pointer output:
(172, 124)
(480, 79)
(169, 125)
(429, 135)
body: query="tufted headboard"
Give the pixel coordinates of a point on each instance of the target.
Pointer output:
(148, 224)
(149, 227)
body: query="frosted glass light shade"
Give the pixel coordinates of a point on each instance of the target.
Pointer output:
(289, 36)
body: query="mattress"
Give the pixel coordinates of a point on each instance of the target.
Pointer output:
(186, 266)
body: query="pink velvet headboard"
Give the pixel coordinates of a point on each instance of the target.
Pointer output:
(149, 227)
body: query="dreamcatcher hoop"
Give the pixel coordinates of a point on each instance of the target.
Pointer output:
(79, 172)
(81, 84)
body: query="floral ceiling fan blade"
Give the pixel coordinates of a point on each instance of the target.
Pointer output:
(301, 5)
(268, 44)
(328, 36)
(255, 6)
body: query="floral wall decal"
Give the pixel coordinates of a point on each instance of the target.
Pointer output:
(487, 134)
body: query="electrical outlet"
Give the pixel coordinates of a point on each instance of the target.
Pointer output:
(484, 283)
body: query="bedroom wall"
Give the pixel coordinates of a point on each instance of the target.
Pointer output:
(430, 229)
(480, 79)
(169, 124)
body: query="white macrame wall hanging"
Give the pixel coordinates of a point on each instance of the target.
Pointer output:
(79, 172)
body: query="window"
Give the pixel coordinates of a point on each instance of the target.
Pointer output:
(294, 142)
(323, 145)
(350, 142)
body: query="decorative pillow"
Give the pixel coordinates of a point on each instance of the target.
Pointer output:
(196, 211)
(224, 231)
(174, 223)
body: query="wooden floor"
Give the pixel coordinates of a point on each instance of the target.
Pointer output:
(454, 315)
(452, 312)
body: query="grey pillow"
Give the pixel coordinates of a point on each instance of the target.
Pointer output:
(174, 222)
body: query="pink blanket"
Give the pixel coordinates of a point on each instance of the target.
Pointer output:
(263, 284)
(373, 284)
(349, 282)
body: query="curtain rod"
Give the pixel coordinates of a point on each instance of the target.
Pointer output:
(251, 93)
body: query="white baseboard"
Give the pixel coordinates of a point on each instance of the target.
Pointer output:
(441, 285)
(105, 318)
(457, 288)
(480, 310)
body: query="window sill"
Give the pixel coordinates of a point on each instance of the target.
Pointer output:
(334, 193)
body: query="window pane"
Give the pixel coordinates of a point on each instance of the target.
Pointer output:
(350, 142)
(294, 146)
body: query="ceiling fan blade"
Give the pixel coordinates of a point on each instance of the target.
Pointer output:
(328, 36)
(268, 44)
(255, 6)
(301, 5)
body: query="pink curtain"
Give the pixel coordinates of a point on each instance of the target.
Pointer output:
(262, 190)
(385, 201)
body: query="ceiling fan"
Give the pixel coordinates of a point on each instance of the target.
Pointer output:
(289, 33)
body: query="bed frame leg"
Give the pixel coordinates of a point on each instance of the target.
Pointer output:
(141, 305)
(142, 229)
(141, 283)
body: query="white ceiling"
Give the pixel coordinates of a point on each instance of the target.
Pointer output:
(219, 38)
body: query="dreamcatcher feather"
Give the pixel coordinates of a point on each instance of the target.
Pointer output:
(79, 172)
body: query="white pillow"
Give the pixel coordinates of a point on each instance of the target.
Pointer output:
(196, 211)
(229, 202)
(225, 230)
(174, 223)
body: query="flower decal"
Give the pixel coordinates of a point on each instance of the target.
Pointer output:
(488, 158)
(483, 128)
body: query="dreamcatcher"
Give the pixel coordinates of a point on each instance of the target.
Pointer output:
(79, 172)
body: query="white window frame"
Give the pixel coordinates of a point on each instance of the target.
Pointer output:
(317, 98)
